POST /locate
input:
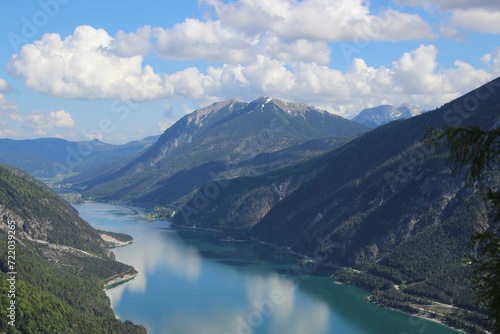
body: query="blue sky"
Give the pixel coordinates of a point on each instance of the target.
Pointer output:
(124, 70)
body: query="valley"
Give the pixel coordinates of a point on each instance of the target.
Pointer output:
(250, 167)
(375, 208)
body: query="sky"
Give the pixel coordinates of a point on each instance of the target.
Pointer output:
(123, 70)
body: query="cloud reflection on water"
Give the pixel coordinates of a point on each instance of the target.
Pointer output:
(160, 253)
(275, 298)
(150, 254)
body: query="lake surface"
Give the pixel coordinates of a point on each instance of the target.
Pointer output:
(190, 282)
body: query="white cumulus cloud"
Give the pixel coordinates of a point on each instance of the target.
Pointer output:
(8, 133)
(133, 44)
(283, 29)
(195, 39)
(493, 60)
(212, 40)
(8, 109)
(4, 86)
(82, 66)
(415, 78)
(87, 65)
(481, 20)
(40, 121)
(319, 20)
(453, 4)
(476, 15)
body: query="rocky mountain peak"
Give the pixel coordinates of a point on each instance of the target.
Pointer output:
(198, 116)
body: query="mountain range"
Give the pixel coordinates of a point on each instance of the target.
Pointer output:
(374, 117)
(373, 205)
(384, 211)
(230, 137)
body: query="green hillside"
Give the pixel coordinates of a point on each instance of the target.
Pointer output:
(60, 262)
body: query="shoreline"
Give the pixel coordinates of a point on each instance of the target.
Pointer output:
(294, 256)
(121, 279)
(113, 242)
(421, 316)
(124, 277)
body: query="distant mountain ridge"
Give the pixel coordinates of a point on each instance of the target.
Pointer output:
(377, 116)
(48, 157)
(232, 137)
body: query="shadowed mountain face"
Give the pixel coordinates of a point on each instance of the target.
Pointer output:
(384, 203)
(365, 189)
(374, 117)
(230, 137)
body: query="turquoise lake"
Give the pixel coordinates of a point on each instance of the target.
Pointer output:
(191, 282)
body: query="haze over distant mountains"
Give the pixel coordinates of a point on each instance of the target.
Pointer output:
(374, 117)
(48, 157)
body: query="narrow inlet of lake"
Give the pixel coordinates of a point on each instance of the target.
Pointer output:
(191, 282)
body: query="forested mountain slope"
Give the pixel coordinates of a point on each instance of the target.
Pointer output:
(60, 263)
(385, 204)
